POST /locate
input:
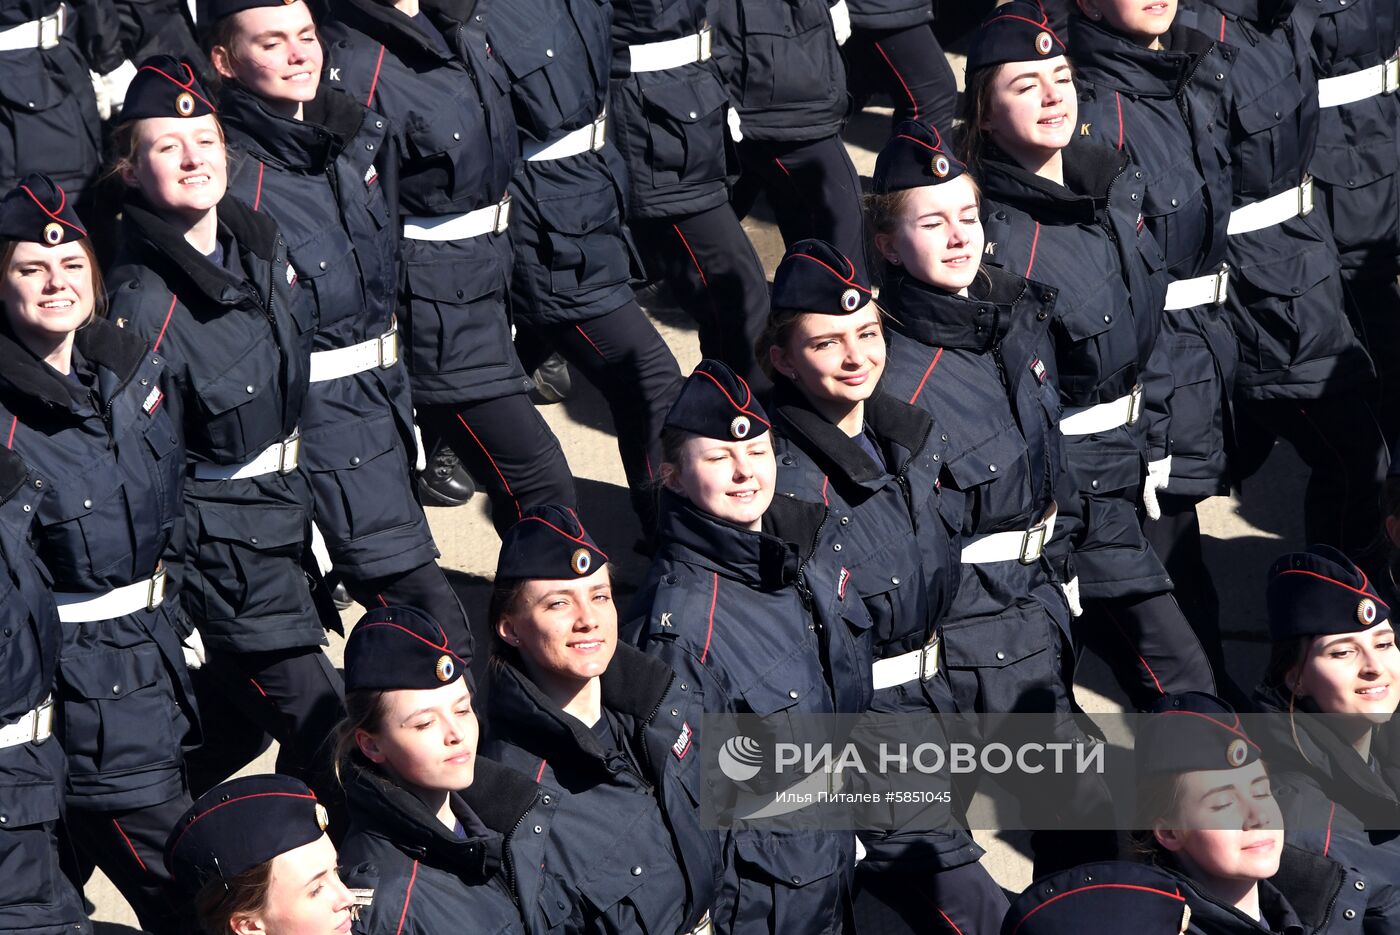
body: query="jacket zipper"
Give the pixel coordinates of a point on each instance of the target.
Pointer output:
(804, 592)
(507, 862)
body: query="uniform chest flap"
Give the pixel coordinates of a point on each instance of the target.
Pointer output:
(30, 84)
(1287, 270)
(782, 18)
(1271, 107)
(887, 566)
(791, 859)
(241, 383)
(524, 47)
(793, 681)
(1091, 294)
(91, 490)
(112, 676)
(443, 134)
(1171, 191)
(321, 253)
(1001, 455)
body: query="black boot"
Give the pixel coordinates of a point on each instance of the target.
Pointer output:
(444, 482)
(552, 381)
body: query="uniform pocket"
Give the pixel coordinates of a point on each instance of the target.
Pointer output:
(77, 522)
(786, 45)
(248, 556)
(587, 249)
(240, 404)
(457, 310)
(168, 455)
(48, 128)
(360, 474)
(118, 709)
(685, 126)
(1270, 293)
(27, 854)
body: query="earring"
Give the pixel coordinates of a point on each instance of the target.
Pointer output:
(894, 261)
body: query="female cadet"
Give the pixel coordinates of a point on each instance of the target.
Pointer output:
(873, 460)
(254, 856)
(608, 731)
(1211, 821)
(431, 72)
(207, 280)
(573, 254)
(444, 838)
(1335, 777)
(1303, 374)
(310, 157)
(758, 623)
(35, 896)
(82, 401)
(1067, 215)
(1157, 88)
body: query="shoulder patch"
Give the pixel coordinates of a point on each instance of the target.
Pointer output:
(291, 274)
(682, 744)
(152, 401)
(371, 175)
(841, 581)
(1038, 369)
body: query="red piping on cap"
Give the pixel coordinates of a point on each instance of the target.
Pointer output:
(242, 798)
(849, 280)
(579, 539)
(1364, 583)
(187, 85)
(62, 200)
(748, 398)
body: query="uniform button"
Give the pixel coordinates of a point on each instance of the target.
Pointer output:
(693, 115)
(38, 485)
(538, 829)
(369, 146)
(1000, 655)
(796, 881)
(636, 871)
(549, 53)
(1351, 183)
(1041, 315)
(456, 136)
(992, 468)
(145, 382)
(27, 508)
(1174, 202)
(787, 459)
(943, 437)
(461, 294)
(254, 540)
(116, 689)
(670, 579)
(1297, 290)
(793, 694)
(560, 903)
(836, 547)
(323, 264)
(31, 105)
(1361, 884)
(379, 124)
(845, 520)
(4, 819)
(355, 460)
(1350, 913)
(87, 504)
(938, 457)
(546, 799)
(1133, 196)
(1046, 296)
(1107, 319)
(685, 687)
(249, 387)
(675, 712)
(894, 580)
(1094, 484)
(1278, 114)
(1137, 174)
(1219, 76)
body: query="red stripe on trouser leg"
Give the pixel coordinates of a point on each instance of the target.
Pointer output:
(1133, 646)
(494, 466)
(909, 94)
(139, 862)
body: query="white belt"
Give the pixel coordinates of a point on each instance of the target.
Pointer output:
(382, 352)
(279, 457)
(585, 139)
(491, 219)
(1359, 85)
(1203, 290)
(703, 927)
(88, 608)
(34, 727)
(1296, 202)
(921, 664)
(1024, 547)
(1086, 420)
(37, 34)
(673, 53)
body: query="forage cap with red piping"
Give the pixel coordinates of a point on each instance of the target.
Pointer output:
(914, 157)
(1018, 31)
(715, 402)
(395, 648)
(40, 211)
(1109, 896)
(240, 824)
(548, 543)
(814, 276)
(1321, 592)
(165, 86)
(1191, 731)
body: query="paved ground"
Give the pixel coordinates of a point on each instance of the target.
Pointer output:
(1243, 537)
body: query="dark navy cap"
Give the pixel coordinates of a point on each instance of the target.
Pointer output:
(717, 403)
(1321, 592)
(164, 86)
(38, 210)
(1192, 731)
(914, 157)
(218, 9)
(1111, 896)
(1018, 31)
(814, 276)
(240, 824)
(394, 648)
(549, 542)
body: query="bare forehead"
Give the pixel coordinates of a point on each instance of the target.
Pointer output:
(30, 251)
(952, 195)
(178, 128)
(1050, 68)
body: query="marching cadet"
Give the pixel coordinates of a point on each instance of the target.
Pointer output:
(873, 460)
(757, 622)
(1211, 820)
(573, 254)
(254, 856)
(315, 161)
(609, 732)
(430, 71)
(1355, 47)
(669, 114)
(1064, 210)
(444, 838)
(207, 280)
(1303, 374)
(1156, 88)
(82, 401)
(35, 896)
(893, 49)
(1108, 896)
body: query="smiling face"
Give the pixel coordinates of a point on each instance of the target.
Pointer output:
(1354, 673)
(732, 481)
(179, 164)
(48, 292)
(1227, 827)
(427, 737)
(1032, 109)
(1143, 21)
(273, 52)
(835, 359)
(937, 235)
(565, 630)
(304, 896)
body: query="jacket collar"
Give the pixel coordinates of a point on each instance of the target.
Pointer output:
(1107, 58)
(13, 473)
(398, 32)
(1210, 915)
(115, 353)
(975, 322)
(758, 559)
(835, 452)
(309, 145)
(254, 232)
(1090, 169)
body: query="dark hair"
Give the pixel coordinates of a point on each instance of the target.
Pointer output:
(1284, 656)
(364, 710)
(778, 331)
(99, 286)
(218, 901)
(1390, 497)
(977, 102)
(1154, 788)
(882, 214)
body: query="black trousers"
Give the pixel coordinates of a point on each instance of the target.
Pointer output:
(1374, 306)
(959, 901)
(622, 355)
(1149, 645)
(509, 450)
(424, 588)
(813, 188)
(908, 65)
(716, 275)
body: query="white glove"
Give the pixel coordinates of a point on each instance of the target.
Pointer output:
(860, 850)
(104, 101)
(1159, 474)
(193, 650)
(117, 81)
(731, 117)
(841, 21)
(420, 454)
(1071, 592)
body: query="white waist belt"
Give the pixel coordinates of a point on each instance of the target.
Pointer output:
(585, 139)
(279, 457)
(1086, 420)
(382, 352)
(87, 608)
(37, 34)
(673, 53)
(491, 219)
(1203, 290)
(33, 727)
(1359, 85)
(1296, 202)
(1024, 547)
(919, 664)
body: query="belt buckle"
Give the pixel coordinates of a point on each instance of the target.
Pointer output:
(928, 659)
(599, 135)
(1135, 405)
(51, 29)
(704, 44)
(389, 348)
(43, 722)
(290, 454)
(1037, 534)
(1222, 286)
(502, 215)
(1390, 74)
(1305, 196)
(155, 589)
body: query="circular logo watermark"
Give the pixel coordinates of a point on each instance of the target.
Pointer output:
(740, 758)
